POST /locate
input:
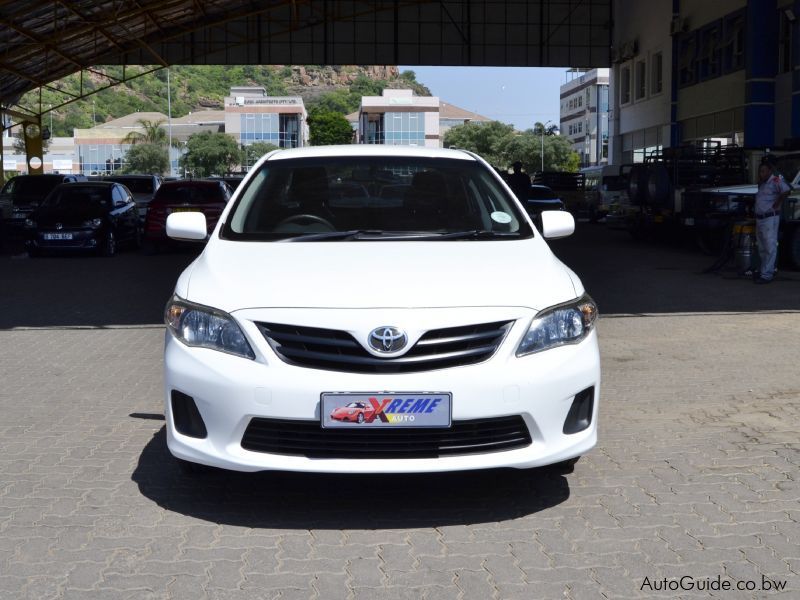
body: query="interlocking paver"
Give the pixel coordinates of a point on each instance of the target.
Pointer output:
(696, 471)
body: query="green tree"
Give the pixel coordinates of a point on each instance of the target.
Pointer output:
(210, 153)
(153, 133)
(342, 101)
(526, 147)
(327, 127)
(151, 159)
(489, 139)
(256, 150)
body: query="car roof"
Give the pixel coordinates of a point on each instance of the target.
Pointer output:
(191, 183)
(369, 150)
(74, 184)
(128, 176)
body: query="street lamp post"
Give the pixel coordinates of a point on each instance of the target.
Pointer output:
(544, 127)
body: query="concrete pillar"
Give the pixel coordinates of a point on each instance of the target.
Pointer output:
(674, 126)
(761, 66)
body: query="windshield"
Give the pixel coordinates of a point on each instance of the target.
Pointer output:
(78, 198)
(789, 166)
(540, 192)
(137, 185)
(191, 193)
(31, 187)
(374, 198)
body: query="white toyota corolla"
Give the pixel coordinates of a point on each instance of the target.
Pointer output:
(368, 309)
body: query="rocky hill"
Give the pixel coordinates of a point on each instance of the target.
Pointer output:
(197, 88)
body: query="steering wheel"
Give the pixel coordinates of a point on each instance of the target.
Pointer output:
(306, 217)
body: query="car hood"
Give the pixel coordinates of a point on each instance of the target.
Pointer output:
(70, 217)
(750, 189)
(361, 274)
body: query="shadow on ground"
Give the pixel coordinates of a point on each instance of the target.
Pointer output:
(88, 291)
(624, 276)
(320, 501)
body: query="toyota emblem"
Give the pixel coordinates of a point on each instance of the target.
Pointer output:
(387, 339)
(59, 226)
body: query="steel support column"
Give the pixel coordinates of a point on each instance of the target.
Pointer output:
(761, 66)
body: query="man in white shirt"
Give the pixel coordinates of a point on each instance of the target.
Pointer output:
(772, 191)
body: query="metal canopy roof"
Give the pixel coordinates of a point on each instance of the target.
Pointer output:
(44, 40)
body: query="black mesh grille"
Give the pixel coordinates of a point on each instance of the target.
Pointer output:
(335, 350)
(308, 438)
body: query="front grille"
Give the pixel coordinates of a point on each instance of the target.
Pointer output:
(335, 350)
(309, 439)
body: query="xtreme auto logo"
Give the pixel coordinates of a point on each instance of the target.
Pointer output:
(394, 410)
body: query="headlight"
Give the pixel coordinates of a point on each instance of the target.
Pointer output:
(30, 223)
(206, 327)
(93, 223)
(564, 324)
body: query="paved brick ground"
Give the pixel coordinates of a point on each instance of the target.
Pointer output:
(696, 473)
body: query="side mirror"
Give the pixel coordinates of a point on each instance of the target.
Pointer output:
(187, 226)
(557, 224)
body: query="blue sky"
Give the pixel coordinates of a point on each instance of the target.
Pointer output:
(516, 95)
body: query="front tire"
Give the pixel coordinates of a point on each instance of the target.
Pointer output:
(109, 247)
(191, 468)
(566, 466)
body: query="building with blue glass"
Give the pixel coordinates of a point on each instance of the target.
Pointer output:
(253, 116)
(399, 118)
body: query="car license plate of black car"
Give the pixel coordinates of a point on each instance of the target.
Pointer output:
(385, 409)
(58, 236)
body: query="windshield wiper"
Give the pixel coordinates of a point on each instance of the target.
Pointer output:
(474, 234)
(357, 234)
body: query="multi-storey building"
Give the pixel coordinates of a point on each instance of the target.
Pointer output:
(253, 116)
(584, 114)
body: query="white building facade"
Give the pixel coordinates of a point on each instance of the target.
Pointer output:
(584, 114)
(700, 71)
(253, 116)
(399, 118)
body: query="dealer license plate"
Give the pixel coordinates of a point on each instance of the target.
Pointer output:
(57, 236)
(385, 409)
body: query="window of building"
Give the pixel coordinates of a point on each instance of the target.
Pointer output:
(710, 51)
(784, 43)
(625, 85)
(404, 129)
(687, 59)
(733, 42)
(580, 101)
(641, 80)
(657, 73)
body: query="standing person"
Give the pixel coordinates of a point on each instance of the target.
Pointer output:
(772, 191)
(519, 182)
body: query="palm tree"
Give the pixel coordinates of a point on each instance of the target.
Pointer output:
(153, 134)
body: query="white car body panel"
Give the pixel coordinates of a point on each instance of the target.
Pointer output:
(356, 286)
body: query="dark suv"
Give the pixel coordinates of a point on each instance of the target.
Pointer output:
(22, 194)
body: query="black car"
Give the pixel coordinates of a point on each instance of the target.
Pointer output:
(142, 187)
(22, 194)
(91, 216)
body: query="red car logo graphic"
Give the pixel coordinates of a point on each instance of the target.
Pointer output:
(354, 412)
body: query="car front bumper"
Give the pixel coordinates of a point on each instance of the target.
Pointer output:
(229, 391)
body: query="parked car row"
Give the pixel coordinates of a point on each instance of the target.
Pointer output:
(69, 213)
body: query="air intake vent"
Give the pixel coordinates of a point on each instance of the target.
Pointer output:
(335, 350)
(307, 438)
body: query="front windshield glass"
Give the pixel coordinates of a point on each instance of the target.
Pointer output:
(77, 198)
(789, 167)
(32, 186)
(137, 185)
(375, 198)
